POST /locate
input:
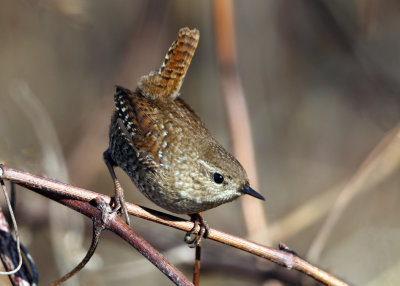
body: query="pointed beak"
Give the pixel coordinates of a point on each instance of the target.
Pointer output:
(249, 191)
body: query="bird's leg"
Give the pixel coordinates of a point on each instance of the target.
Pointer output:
(197, 219)
(188, 237)
(118, 201)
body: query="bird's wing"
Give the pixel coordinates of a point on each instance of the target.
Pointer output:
(137, 124)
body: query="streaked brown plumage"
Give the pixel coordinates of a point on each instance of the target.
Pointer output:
(164, 147)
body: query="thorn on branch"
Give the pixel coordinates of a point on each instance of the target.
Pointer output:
(284, 247)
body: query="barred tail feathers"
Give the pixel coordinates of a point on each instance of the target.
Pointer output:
(168, 80)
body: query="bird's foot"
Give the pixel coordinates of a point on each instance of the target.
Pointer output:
(118, 203)
(192, 238)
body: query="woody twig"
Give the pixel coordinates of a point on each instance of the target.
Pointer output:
(78, 199)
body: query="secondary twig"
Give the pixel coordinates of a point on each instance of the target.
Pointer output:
(75, 197)
(99, 223)
(196, 274)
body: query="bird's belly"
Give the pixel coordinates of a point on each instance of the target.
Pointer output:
(175, 202)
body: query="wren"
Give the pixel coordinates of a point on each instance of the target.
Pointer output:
(164, 147)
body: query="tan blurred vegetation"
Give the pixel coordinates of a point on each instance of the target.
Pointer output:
(322, 81)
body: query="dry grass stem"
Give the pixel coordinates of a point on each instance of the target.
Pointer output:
(62, 223)
(304, 216)
(237, 112)
(378, 166)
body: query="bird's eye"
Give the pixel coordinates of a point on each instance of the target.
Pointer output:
(218, 178)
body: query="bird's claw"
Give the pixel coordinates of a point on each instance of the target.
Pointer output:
(118, 205)
(192, 238)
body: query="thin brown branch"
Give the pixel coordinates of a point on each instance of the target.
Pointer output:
(75, 198)
(79, 200)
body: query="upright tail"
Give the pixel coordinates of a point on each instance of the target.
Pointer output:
(168, 79)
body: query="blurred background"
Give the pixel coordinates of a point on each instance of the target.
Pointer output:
(322, 84)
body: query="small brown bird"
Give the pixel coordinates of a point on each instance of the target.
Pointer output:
(164, 147)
